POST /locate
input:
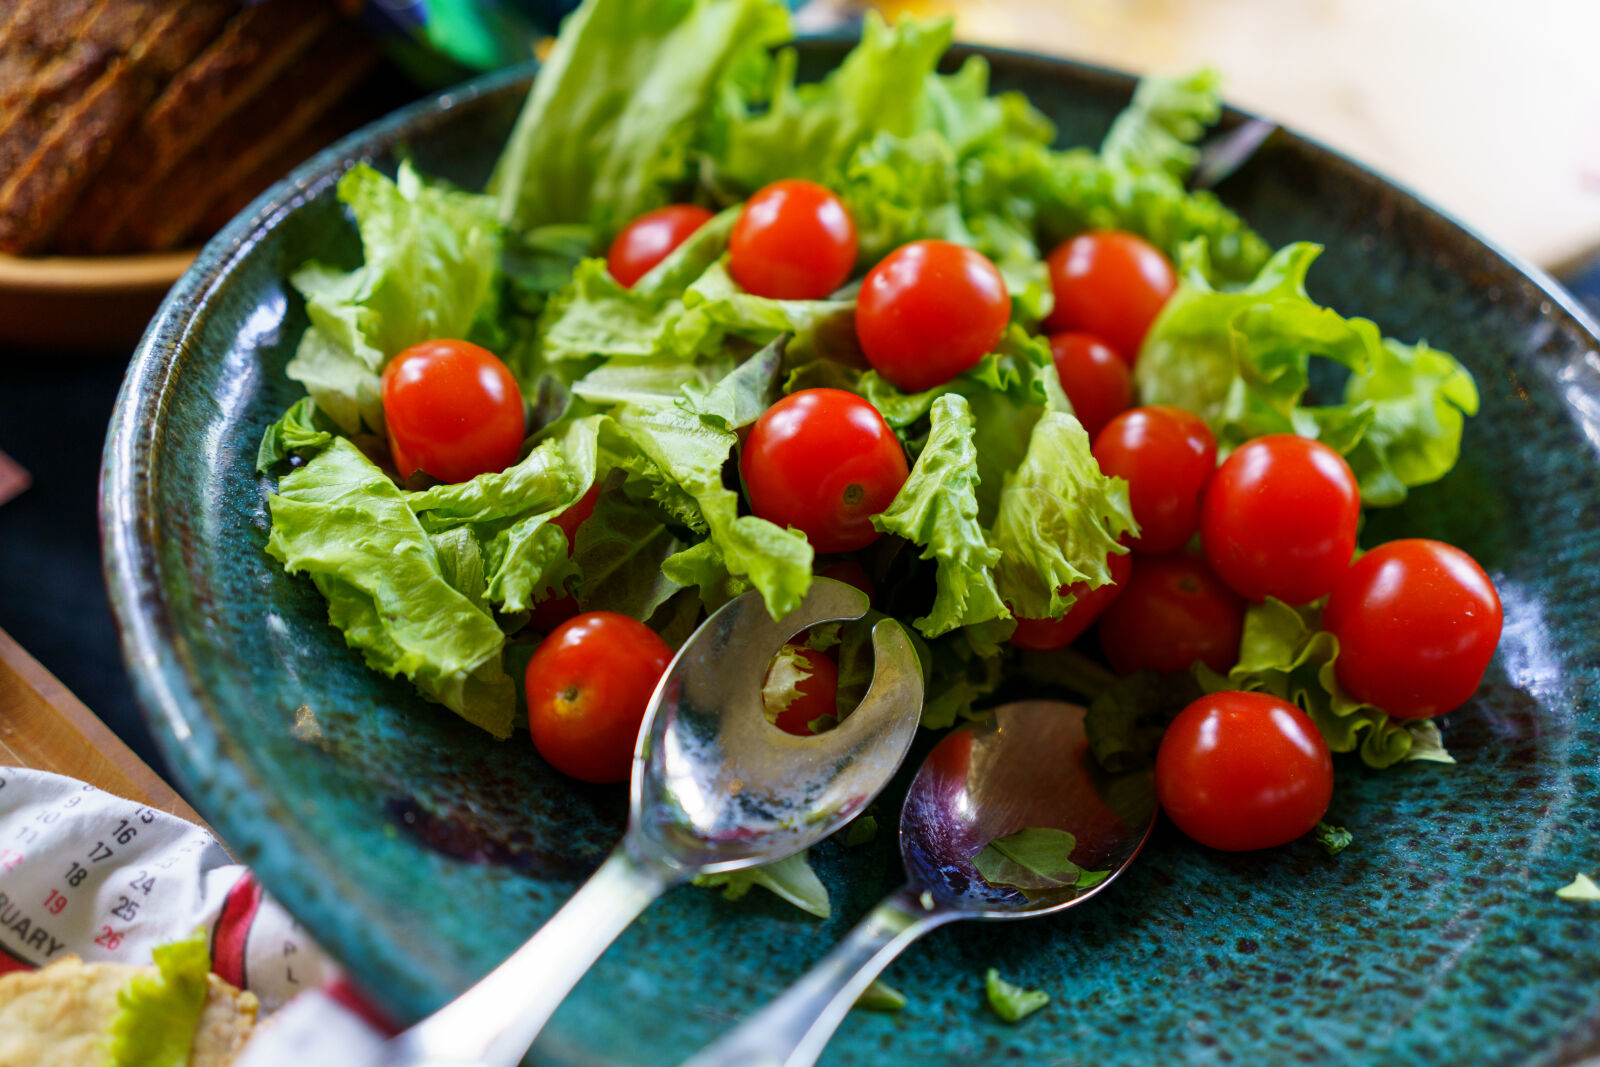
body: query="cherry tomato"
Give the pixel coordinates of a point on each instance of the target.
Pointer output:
(550, 613)
(1171, 612)
(453, 411)
(1094, 378)
(816, 693)
(793, 241)
(1239, 771)
(824, 462)
(650, 238)
(1279, 519)
(930, 310)
(1112, 284)
(1417, 622)
(1167, 455)
(1044, 634)
(576, 515)
(588, 685)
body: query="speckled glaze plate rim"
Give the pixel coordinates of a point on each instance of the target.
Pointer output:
(220, 779)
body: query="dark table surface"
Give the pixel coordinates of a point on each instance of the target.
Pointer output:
(53, 414)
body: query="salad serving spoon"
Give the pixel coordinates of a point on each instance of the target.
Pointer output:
(1028, 766)
(715, 788)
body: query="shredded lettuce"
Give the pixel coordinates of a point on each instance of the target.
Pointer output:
(792, 879)
(1333, 839)
(881, 996)
(1157, 132)
(157, 1014)
(1012, 1002)
(1582, 887)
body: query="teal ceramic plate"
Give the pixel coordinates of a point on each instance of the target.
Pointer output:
(419, 851)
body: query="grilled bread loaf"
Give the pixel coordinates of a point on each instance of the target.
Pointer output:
(123, 123)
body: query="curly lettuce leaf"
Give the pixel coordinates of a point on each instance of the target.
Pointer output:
(342, 521)
(779, 129)
(1285, 652)
(1012, 1002)
(937, 509)
(791, 878)
(1333, 839)
(1242, 360)
(431, 268)
(302, 432)
(157, 1014)
(607, 131)
(1158, 130)
(1059, 518)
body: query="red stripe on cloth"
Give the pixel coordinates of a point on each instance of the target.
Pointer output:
(233, 929)
(342, 992)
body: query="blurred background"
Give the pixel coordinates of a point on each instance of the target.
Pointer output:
(1489, 110)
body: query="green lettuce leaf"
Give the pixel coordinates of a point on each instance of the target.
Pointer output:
(1158, 130)
(606, 132)
(1333, 839)
(779, 129)
(881, 996)
(618, 554)
(791, 878)
(781, 687)
(1582, 887)
(1242, 360)
(1059, 518)
(1035, 860)
(1124, 722)
(689, 452)
(157, 1014)
(300, 432)
(342, 521)
(1284, 652)
(1011, 1002)
(431, 268)
(1418, 399)
(937, 509)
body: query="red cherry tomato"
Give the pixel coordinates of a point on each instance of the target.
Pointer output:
(588, 685)
(1112, 284)
(816, 693)
(1171, 612)
(550, 613)
(1279, 519)
(793, 241)
(824, 462)
(1239, 771)
(1167, 455)
(1094, 378)
(650, 238)
(1417, 622)
(1044, 634)
(453, 411)
(930, 310)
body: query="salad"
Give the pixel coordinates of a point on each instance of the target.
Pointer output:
(711, 330)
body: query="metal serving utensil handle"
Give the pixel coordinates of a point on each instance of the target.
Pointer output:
(793, 1030)
(493, 1023)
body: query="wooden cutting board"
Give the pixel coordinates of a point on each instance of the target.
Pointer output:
(1491, 110)
(44, 727)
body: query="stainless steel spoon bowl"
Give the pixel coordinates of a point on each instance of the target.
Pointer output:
(715, 788)
(1027, 766)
